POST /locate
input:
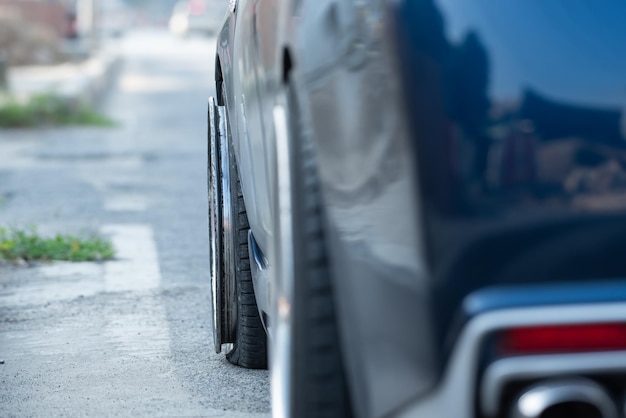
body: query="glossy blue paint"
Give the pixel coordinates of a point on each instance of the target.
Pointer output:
(517, 125)
(500, 297)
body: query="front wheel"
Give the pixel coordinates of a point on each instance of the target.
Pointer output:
(307, 370)
(236, 319)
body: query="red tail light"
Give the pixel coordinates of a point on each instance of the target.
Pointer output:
(562, 339)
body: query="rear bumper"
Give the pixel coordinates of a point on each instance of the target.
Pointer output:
(462, 393)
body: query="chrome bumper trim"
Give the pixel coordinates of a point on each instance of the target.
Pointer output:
(454, 397)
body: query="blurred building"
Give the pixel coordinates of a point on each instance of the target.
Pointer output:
(48, 31)
(65, 18)
(52, 15)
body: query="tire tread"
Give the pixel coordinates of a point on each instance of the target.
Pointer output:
(250, 346)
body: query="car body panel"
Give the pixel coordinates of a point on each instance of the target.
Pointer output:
(251, 80)
(250, 149)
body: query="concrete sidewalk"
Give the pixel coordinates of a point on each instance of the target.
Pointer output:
(79, 83)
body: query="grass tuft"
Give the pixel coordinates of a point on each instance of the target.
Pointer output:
(45, 110)
(27, 245)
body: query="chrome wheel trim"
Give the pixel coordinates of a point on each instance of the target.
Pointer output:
(215, 229)
(229, 287)
(223, 294)
(281, 332)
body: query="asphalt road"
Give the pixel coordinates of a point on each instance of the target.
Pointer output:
(130, 336)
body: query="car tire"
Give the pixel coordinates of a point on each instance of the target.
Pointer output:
(236, 317)
(250, 345)
(309, 380)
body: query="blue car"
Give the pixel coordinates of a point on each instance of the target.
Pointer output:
(418, 207)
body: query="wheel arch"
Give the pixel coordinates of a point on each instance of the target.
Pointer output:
(286, 65)
(219, 80)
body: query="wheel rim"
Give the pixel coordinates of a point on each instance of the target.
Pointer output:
(215, 225)
(223, 294)
(229, 292)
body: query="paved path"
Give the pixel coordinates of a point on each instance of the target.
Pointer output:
(131, 336)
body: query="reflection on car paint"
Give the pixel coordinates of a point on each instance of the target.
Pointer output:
(517, 119)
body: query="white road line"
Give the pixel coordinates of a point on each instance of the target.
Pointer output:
(137, 262)
(136, 268)
(129, 203)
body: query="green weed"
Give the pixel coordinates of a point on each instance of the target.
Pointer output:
(45, 110)
(28, 245)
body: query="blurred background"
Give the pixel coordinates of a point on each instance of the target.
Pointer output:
(70, 50)
(103, 113)
(38, 32)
